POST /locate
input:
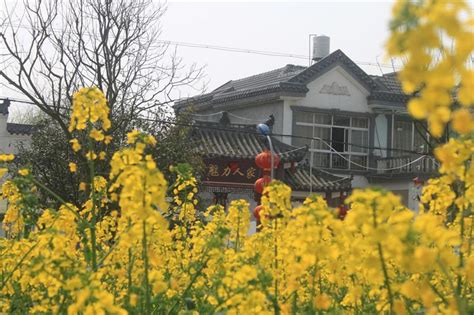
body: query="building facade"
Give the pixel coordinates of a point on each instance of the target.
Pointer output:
(354, 124)
(11, 135)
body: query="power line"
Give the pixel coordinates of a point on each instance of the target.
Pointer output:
(332, 149)
(238, 130)
(231, 49)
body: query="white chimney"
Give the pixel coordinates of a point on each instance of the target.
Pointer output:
(320, 47)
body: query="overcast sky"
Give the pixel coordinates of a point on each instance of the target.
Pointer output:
(359, 29)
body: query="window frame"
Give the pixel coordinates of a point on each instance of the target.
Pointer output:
(348, 152)
(402, 118)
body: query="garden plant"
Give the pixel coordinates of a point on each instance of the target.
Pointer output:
(130, 248)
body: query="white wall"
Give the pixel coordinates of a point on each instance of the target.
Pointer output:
(359, 181)
(8, 144)
(381, 134)
(8, 141)
(355, 102)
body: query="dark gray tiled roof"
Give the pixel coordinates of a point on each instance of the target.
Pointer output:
(239, 141)
(4, 106)
(388, 82)
(291, 80)
(274, 81)
(299, 179)
(20, 129)
(335, 58)
(261, 80)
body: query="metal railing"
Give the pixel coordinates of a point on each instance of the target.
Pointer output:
(404, 165)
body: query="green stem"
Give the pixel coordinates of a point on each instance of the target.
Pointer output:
(438, 293)
(76, 214)
(93, 210)
(461, 254)
(190, 284)
(275, 251)
(146, 267)
(238, 230)
(57, 197)
(459, 303)
(386, 278)
(5, 280)
(383, 263)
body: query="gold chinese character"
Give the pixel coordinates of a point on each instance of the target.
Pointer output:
(237, 171)
(213, 170)
(251, 172)
(226, 171)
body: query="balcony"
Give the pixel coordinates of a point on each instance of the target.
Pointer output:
(406, 165)
(339, 160)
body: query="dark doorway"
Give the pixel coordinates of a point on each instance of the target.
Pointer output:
(337, 140)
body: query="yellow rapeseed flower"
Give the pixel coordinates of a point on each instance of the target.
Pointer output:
(72, 167)
(3, 171)
(6, 157)
(24, 172)
(75, 145)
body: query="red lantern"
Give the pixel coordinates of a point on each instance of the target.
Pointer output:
(263, 160)
(342, 211)
(256, 212)
(261, 183)
(417, 181)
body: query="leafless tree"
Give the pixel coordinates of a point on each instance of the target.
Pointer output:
(56, 47)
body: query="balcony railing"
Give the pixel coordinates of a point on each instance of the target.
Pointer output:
(339, 161)
(406, 164)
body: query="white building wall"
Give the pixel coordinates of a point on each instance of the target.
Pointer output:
(8, 143)
(381, 135)
(287, 124)
(359, 181)
(356, 101)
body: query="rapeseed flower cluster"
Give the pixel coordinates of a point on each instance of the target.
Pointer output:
(435, 39)
(131, 249)
(139, 245)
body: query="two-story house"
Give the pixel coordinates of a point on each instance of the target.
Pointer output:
(354, 123)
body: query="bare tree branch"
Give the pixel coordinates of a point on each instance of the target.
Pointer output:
(56, 47)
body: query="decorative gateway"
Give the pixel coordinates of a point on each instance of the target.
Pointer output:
(238, 159)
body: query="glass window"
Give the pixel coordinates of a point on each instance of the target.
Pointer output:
(342, 121)
(347, 135)
(305, 117)
(420, 138)
(302, 131)
(324, 134)
(360, 122)
(359, 141)
(402, 136)
(322, 119)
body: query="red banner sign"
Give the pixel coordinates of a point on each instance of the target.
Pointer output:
(231, 171)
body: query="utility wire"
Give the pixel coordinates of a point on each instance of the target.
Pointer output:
(314, 138)
(367, 167)
(200, 126)
(226, 48)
